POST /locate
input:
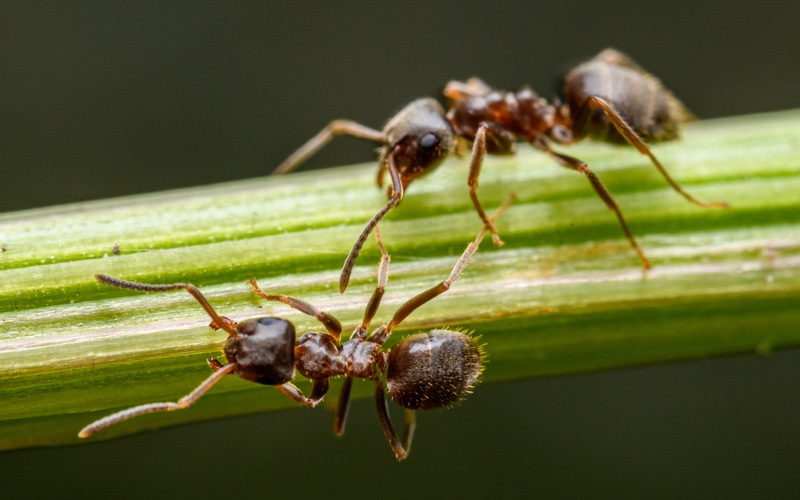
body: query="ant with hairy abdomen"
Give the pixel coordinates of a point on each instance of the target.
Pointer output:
(423, 371)
(608, 98)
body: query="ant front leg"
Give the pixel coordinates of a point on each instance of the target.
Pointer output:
(633, 138)
(182, 403)
(319, 388)
(334, 128)
(397, 195)
(501, 141)
(329, 322)
(217, 321)
(600, 189)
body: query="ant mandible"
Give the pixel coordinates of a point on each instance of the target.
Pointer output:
(608, 98)
(423, 371)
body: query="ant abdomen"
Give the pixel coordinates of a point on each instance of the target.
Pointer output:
(263, 350)
(433, 369)
(640, 99)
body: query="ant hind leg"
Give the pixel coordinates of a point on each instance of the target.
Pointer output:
(633, 138)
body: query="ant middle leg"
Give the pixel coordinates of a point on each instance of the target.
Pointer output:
(381, 334)
(182, 403)
(633, 138)
(319, 388)
(323, 137)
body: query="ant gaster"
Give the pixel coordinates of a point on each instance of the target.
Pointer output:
(608, 98)
(423, 371)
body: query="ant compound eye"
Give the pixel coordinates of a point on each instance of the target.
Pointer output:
(428, 141)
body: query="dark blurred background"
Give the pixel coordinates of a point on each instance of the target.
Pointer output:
(106, 98)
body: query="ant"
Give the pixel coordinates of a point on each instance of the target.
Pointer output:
(423, 371)
(608, 98)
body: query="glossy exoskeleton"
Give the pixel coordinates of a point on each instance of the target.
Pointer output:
(608, 98)
(413, 143)
(423, 371)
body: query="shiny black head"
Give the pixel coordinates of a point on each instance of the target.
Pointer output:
(264, 350)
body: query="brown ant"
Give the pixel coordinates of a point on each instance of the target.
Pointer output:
(608, 98)
(423, 371)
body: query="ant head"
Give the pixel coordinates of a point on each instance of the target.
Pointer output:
(433, 369)
(264, 350)
(419, 137)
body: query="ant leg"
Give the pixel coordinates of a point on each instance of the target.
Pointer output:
(502, 142)
(386, 423)
(372, 307)
(334, 128)
(601, 190)
(229, 322)
(319, 388)
(214, 364)
(343, 408)
(329, 322)
(408, 429)
(633, 138)
(397, 195)
(381, 334)
(478, 153)
(182, 403)
(217, 321)
(377, 295)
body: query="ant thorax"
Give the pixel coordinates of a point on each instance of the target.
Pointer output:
(523, 114)
(317, 356)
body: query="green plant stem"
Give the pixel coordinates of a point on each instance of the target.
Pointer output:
(565, 294)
